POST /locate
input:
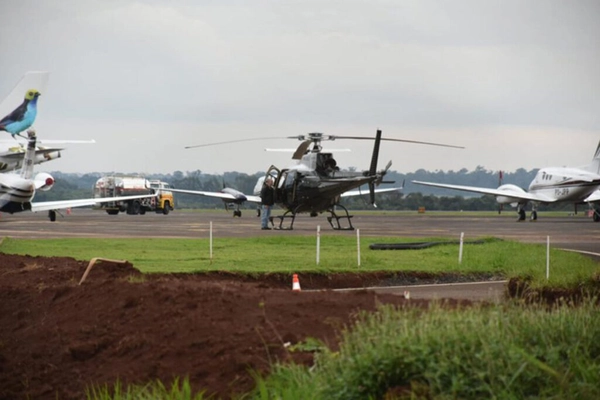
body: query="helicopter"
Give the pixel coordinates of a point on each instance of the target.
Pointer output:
(316, 184)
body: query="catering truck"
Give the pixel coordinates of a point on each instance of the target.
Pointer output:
(115, 186)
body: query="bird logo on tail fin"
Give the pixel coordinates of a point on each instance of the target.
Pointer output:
(23, 116)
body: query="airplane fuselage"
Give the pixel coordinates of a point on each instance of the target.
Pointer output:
(564, 184)
(16, 193)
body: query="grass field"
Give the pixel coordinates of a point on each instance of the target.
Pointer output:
(336, 254)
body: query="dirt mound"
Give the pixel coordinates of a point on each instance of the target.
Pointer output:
(58, 337)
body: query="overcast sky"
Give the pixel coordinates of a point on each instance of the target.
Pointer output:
(515, 82)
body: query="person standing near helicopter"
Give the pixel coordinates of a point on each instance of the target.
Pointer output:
(267, 198)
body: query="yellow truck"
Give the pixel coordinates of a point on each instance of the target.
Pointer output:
(115, 186)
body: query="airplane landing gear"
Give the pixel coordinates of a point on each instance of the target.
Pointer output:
(533, 216)
(521, 215)
(237, 213)
(52, 215)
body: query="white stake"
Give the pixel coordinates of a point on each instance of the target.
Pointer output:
(460, 248)
(548, 258)
(318, 242)
(210, 241)
(358, 245)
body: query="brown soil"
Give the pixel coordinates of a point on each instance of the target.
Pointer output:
(58, 338)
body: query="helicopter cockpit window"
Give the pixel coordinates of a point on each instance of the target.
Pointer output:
(289, 179)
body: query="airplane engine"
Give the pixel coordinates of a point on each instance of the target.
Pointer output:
(44, 181)
(507, 199)
(43, 155)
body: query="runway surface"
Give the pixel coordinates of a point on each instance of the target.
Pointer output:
(576, 233)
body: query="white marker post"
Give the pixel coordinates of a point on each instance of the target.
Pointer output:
(547, 257)
(358, 245)
(210, 241)
(318, 242)
(460, 247)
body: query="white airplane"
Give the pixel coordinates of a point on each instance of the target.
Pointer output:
(17, 190)
(237, 198)
(551, 185)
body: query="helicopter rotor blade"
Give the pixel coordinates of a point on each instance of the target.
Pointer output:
(382, 173)
(398, 140)
(232, 141)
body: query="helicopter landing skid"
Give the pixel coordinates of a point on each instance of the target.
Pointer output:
(336, 226)
(287, 214)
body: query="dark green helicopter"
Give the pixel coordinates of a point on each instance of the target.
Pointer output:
(316, 184)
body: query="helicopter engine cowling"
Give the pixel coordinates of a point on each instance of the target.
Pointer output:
(43, 181)
(514, 202)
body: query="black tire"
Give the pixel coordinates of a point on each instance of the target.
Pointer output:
(596, 216)
(534, 215)
(142, 211)
(522, 216)
(133, 208)
(52, 215)
(112, 212)
(166, 208)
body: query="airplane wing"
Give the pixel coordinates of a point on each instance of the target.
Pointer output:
(361, 192)
(219, 195)
(505, 192)
(254, 199)
(594, 197)
(63, 204)
(18, 155)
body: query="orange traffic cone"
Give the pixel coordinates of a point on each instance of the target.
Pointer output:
(295, 283)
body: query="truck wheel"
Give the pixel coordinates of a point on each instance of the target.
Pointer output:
(142, 211)
(166, 208)
(112, 212)
(134, 208)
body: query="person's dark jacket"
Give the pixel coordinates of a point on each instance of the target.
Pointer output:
(267, 195)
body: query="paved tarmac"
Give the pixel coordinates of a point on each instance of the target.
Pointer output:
(575, 232)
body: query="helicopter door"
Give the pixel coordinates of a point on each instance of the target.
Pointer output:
(278, 181)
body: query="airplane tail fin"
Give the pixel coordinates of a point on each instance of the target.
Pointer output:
(31, 80)
(29, 158)
(594, 166)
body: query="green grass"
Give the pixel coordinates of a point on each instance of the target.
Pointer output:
(503, 351)
(152, 391)
(297, 254)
